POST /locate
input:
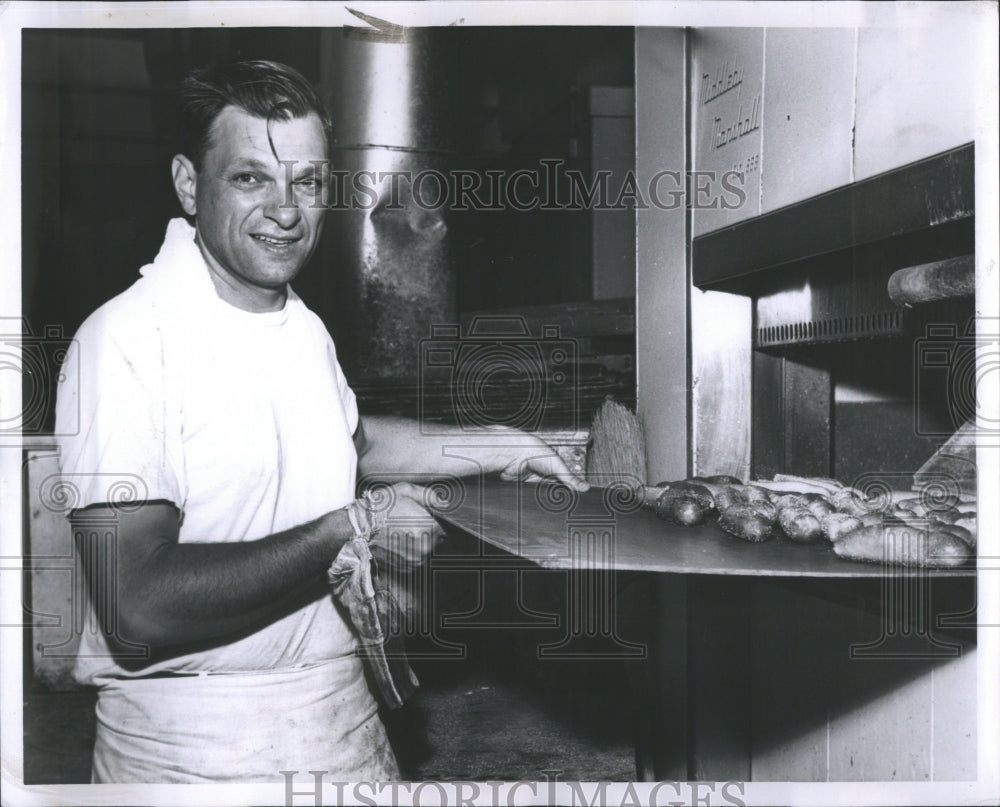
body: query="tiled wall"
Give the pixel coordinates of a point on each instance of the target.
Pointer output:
(799, 112)
(902, 708)
(779, 115)
(727, 95)
(805, 110)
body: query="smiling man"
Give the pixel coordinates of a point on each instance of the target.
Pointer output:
(258, 221)
(210, 392)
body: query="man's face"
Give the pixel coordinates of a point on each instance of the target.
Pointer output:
(258, 219)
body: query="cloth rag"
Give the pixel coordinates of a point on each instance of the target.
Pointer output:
(374, 614)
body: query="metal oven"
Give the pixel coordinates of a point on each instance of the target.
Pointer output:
(863, 368)
(853, 375)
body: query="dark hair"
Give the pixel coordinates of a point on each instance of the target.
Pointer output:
(268, 90)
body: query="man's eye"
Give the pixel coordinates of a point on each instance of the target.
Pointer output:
(245, 179)
(308, 184)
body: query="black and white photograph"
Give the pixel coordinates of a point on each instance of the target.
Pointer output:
(508, 403)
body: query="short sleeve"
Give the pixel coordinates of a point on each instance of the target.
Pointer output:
(347, 396)
(118, 434)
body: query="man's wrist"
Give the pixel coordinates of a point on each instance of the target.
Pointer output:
(366, 519)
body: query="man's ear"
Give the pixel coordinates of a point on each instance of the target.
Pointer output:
(185, 183)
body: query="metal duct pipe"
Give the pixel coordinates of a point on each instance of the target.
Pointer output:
(389, 97)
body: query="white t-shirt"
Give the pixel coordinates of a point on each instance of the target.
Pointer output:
(243, 421)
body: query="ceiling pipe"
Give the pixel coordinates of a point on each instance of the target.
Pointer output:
(389, 97)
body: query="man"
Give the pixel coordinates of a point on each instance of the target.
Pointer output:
(211, 390)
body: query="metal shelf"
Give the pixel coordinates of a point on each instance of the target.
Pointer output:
(601, 530)
(904, 203)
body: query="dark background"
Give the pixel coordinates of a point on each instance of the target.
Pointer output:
(98, 133)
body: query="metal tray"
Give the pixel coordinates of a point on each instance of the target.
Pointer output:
(606, 528)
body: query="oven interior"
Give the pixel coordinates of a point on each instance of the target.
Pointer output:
(846, 382)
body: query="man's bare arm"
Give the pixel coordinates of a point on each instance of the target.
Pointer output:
(395, 447)
(162, 593)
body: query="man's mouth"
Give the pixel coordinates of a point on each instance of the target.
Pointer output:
(274, 242)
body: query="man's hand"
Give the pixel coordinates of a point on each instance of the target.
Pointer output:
(390, 447)
(537, 461)
(410, 532)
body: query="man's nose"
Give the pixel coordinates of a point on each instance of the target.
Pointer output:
(283, 209)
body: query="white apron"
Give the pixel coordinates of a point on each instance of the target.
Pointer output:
(242, 727)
